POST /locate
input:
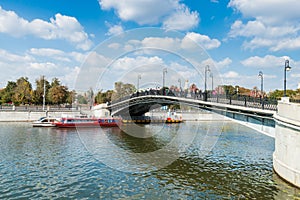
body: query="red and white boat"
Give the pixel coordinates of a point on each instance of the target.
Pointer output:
(70, 122)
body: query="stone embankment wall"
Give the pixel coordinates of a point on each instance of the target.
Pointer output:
(287, 142)
(23, 116)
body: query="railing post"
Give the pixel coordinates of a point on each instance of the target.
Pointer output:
(263, 103)
(245, 99)
(230, 99)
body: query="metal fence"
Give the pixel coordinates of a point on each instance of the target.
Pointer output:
(40, 108)
(245, 101)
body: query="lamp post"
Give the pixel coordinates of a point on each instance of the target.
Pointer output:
(164, 72)
(212, 81)
(44, 93)
(138, 82)
(205, 78)
(261, 75)
(286, 68)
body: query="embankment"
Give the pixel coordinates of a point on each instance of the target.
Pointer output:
(25, 116)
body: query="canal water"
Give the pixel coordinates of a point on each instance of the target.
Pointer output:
(191, 160)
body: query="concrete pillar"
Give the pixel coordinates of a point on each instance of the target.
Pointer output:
(286, 158)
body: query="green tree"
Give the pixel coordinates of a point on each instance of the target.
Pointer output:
(122, 90)
(57, 93)
(81, 99)
(277, 94)
(71, 97)
(39, 91)
(229, 90)
(8, 92)
(23, 91)
(103, 97)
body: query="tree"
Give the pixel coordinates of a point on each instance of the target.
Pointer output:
(8, 92)
(57, 93)
(122, 90)
(229, 90)
(81, 99)
(71, 97)
(103, 97)
(23, 91)
(39, 91)
(279, 93)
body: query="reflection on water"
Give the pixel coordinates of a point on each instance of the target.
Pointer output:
(49, 163)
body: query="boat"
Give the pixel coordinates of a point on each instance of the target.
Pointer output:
(44, 122)
(173, 117)
(69, 122)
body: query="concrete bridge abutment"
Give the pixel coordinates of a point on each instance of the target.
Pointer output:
(286, 158)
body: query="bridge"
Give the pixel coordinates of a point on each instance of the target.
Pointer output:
(282, 115)
(243, 108)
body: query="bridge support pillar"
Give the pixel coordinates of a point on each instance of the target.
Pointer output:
(287, 141)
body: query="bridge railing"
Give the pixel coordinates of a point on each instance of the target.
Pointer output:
(246, 101)
(239, 100)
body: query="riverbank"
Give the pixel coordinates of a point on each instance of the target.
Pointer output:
(29, 116)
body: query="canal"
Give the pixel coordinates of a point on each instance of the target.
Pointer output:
(191, 160)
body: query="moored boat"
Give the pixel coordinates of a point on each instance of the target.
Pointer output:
(66, 122)
(44, 122)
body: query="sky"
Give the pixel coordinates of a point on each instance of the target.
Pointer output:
(94, 43)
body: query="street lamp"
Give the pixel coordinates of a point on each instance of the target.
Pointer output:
(261, 75)
(44, 93)
(179, 80)
(138, 82)
(205, 78)
(286, 68)
(212, 81)
(164, 72)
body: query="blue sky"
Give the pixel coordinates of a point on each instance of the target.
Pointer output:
(65, 39)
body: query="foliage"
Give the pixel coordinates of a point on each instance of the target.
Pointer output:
(58, 93)
(23, 92)
(103, 97)
(71, 97)
(81, 99)
(279, 93)
(38, 93)
(229, 90)
(8, 92)
(122, 90)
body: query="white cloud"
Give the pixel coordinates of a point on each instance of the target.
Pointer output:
(274, 24)
(268, 61)
(188, 42)
(182, 20)
(271, 11)
(114, 46)
(60, 27)
(58, 55)
(37, 62)
(230, 74)
(171, 13)
(126, 63)
(191, 41)
(165, 43)
(224, 63)
(7, 57)
(115, 30)
(42, 67)
(217, 65)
